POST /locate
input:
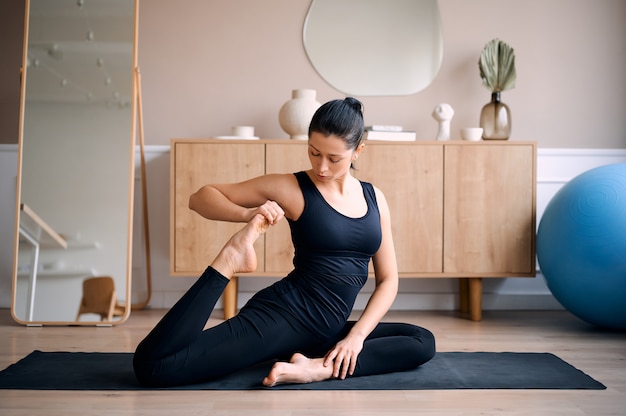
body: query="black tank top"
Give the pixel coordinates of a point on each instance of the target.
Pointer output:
(329, 243)
(332, 253)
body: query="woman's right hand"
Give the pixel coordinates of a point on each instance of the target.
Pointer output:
(270, 210)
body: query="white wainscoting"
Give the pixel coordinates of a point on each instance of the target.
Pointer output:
(555, 167)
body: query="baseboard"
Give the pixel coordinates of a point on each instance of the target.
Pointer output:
(412, 301)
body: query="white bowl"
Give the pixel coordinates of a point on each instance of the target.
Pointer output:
(242, 131)
(472, 133)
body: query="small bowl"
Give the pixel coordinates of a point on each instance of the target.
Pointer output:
(472, 133)
(243, 131)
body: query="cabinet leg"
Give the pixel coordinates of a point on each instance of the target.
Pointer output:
(230, 298)
(463, 295)
(475, 298)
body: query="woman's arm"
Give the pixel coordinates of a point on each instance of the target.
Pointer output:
(272, 196)
(345, 353)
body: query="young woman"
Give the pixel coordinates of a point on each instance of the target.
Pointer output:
(338, 224)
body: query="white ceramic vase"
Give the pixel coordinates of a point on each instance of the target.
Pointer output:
(295, 115)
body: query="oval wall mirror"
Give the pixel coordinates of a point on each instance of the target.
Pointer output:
(76, 163)
(375, 47)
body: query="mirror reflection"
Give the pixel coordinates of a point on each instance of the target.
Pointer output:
(77, 163)
(375, 47)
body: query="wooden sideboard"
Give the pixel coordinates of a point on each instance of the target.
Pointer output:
(459, 209)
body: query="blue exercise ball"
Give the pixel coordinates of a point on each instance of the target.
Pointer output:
(581, 246)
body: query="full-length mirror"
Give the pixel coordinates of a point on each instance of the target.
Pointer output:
(375, 47)
(76, 163)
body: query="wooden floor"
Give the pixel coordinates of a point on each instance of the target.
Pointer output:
(600, 354)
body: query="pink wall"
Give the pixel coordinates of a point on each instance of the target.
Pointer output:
(209, 64)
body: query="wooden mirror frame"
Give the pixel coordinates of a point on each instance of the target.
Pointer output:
(22, 213)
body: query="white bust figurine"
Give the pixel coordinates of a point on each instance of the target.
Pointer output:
(443, 113)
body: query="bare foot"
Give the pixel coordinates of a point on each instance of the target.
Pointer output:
(299, 369)
(238, 255)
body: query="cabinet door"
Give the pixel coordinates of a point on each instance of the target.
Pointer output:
(194, 240)
(410, 175)
(490, 209)
(283, 158)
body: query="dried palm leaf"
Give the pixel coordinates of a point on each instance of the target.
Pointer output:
(497, 66)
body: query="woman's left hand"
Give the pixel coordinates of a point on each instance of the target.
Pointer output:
(344, 355)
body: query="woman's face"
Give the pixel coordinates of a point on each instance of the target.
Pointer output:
(329, 157)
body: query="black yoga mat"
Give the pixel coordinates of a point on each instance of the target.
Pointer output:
(447, 370)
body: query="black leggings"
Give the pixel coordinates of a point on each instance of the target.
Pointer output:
(179, 351)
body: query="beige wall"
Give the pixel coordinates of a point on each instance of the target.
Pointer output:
(207, 65)
(210, 64)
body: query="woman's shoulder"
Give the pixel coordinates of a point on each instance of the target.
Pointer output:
(370, 185)
(278, 181)
(381, 201)
(284, 189)
(376, 192)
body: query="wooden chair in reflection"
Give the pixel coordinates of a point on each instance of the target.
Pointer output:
(99, 297)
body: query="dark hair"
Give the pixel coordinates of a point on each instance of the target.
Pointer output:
(341, 118)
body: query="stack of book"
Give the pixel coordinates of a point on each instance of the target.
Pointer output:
(390, 133)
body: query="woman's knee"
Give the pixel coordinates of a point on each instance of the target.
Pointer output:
(143, 371)
(424, 347)
(428, 341)
(147, 368)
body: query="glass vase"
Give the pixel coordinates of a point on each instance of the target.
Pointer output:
(495, 119)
